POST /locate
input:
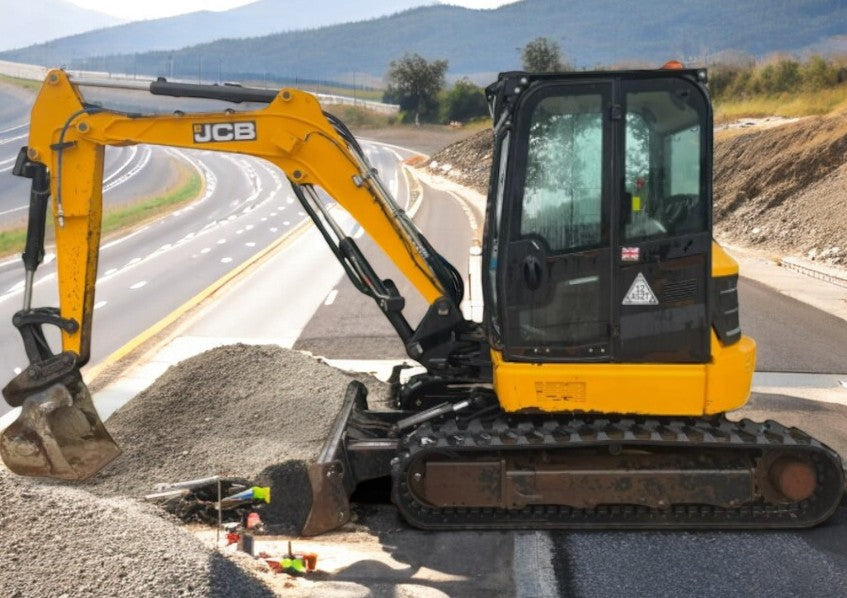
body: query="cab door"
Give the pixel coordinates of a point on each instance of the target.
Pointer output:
(663, 248)
(606, 250)
(557, 280)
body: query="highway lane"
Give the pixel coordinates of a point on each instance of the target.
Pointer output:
(145, 275)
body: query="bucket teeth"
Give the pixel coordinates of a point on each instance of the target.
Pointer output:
(58, 433)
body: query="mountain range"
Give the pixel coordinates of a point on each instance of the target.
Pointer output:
(23, 23)
(476, 43)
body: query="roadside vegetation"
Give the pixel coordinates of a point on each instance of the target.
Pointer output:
(187, 188)
(18, 82)
(779, 86)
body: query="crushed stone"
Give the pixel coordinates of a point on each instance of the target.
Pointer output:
(467, 161)
(64, 541)
(236, 410)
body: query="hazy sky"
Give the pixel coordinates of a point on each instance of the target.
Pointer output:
(151, 9)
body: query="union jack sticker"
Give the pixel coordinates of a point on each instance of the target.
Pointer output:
(630, 254)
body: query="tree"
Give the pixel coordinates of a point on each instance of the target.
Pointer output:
(542, 55)
(414, 83)
(463, 102)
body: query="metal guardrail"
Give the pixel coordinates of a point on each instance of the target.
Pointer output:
(830, 275)
(36, 72)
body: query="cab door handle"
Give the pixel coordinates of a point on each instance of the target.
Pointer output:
(533, 272)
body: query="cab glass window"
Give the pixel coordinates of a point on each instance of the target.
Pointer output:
(562, 195)
(664, 195)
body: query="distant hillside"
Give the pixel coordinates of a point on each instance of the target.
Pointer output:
(258, 18)
(22, 23)
(591, 32)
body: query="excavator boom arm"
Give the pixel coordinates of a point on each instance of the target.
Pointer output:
(292, 132)
(65, 158)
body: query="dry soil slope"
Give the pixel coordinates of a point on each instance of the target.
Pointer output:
(785, 188)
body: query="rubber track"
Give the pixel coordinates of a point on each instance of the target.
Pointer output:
(510, 433)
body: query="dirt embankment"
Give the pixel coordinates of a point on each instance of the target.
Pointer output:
(783, 189)
(467, 161)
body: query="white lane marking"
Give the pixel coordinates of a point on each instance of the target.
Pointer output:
(533, 551)
(138, 285)
(133, 150)
(100, 304)
(221, 241)
(250, 244)
(240, 231)
(110, 271)
(145, 159)
(206, 250)
(17, 371)
(3, 213)
(274, 229)
(132, 262)
(330, 299)
(7, 160)
(273, 214)
(248, 227)
(20, 126)
(264, 219)
(286, 223)
(6, 140)
(226, 260)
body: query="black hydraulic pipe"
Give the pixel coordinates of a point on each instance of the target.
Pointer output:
(228, 93)
(39, 195)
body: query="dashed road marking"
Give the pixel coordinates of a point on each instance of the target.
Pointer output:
(330, 298)
(274, 229)
(206, 250)
(138, 285)
(250, 244)
(226, 260)
(100, 304)
(221, 241)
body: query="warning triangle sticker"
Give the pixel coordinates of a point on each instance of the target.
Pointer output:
(640, 293)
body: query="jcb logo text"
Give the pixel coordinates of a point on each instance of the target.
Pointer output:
(240, 131)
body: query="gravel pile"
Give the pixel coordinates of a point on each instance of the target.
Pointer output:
(467, 162)
(239, 410)
(61, 541)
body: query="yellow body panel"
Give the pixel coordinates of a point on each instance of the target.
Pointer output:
(722, 263)
(648, 389)
(291, 132)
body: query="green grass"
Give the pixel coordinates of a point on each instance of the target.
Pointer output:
(358, 117)
(121, 218)
(189, 187)
(25, 83)
(788, 105)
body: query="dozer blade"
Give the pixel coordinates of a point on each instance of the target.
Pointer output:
(357, 449)
(58, 433)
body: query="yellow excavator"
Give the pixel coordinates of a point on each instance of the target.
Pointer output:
(591, 395)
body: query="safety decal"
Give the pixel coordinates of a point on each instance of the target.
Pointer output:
(640, 293)
(630, 254)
